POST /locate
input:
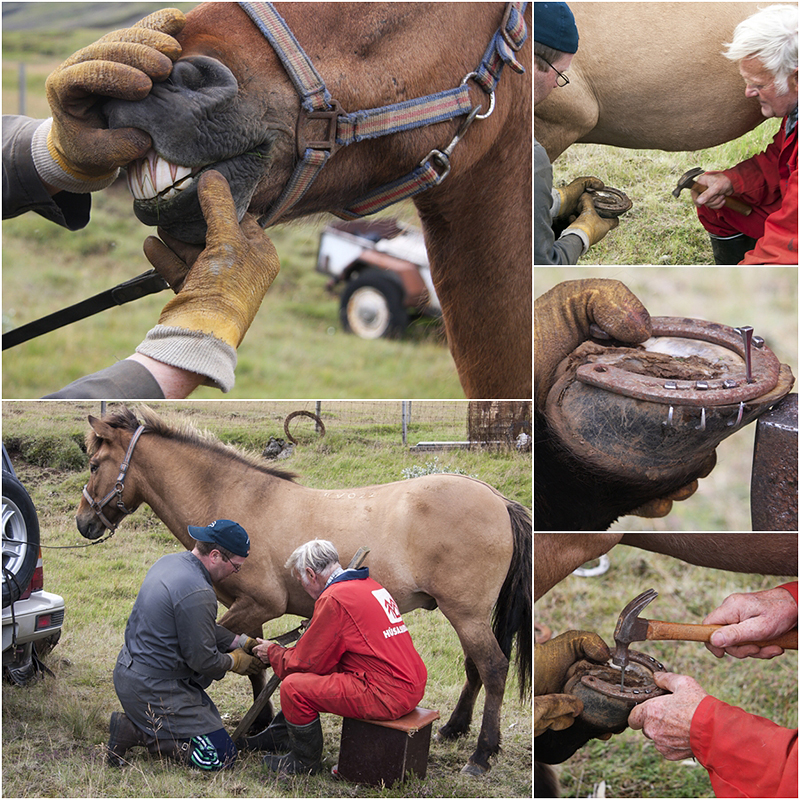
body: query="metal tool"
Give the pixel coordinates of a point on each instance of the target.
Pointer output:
(630, 628)
(687, 181)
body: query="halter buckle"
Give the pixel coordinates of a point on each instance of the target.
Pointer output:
(331, 116)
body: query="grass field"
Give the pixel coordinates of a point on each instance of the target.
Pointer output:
(53, 731)
(658, 229)
(628, 763)
(764, 297)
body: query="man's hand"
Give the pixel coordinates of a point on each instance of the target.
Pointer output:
(553, 659)
(752, 617)
(247, 643)
(200, 329)
(719, 187)
(590, 222)
(244, 664)
(78, 152)
(570, 194)
(555, 712)
(667, 720)
(260, 651)
(563, 317)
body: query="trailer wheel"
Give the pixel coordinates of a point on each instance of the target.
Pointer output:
(372, 306)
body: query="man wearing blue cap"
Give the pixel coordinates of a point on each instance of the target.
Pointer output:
(555, 42)
(174, 649)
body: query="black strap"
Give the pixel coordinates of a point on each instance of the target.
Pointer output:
(148, 282)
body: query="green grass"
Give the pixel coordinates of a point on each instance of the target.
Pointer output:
(764, 297)
(658, 229)
(53, 731)
(629, 763)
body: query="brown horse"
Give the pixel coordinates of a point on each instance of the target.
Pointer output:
(231, 105)
(443, 541)
(651, 76)
(558, 554)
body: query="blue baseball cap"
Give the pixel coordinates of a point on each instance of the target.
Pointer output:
(224, 532)
(554, 26)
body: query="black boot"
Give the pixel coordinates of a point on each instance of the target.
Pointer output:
(305, 755)
(273, 739)
(731, 250)
(173, 749)
(123, 735)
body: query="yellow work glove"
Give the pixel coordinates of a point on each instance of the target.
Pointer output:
(200, 328)
(247, 643)
(570, 194)
(555, 711)
(244, 664)
(589, 225)
(563, 316)
(552, 660)
(74, 150)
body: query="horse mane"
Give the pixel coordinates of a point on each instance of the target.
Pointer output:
(184, 432)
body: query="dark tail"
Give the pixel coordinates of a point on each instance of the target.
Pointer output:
(513, 612)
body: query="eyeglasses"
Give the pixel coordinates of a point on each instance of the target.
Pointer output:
(236, 567)
(562, 79)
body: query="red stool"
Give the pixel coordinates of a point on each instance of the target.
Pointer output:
(384, 751)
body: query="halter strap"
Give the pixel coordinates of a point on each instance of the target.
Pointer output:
(345, 129)
(119, 486)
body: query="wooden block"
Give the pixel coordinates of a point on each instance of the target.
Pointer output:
(384, 751)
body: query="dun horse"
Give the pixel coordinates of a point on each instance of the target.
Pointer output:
(445, 541)
(344, 107)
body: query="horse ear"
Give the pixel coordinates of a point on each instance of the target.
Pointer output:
(102, 429)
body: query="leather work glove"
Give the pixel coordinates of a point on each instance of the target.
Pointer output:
(244, 664)
(200, 329)
(571, 193)
(247, 643)
(553, 659)
(74, 150)
(555, 712)
(589, 225)
(563, 316)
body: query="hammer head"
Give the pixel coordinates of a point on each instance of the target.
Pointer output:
(630, 628)
(687, 180)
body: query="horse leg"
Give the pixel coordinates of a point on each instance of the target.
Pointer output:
(557, 554)
(461, 718)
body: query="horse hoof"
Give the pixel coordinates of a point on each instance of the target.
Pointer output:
(473, 770)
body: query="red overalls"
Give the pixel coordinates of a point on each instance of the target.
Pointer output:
(745, 755)
(356, 659)
(768, 183)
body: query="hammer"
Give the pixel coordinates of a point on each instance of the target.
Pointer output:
(687, 181)
(632, 629)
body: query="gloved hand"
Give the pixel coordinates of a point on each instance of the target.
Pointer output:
(247, 643)
(590, 223)
(244, 664)
(553, 659)
(555, 712)
(200, 329)
(571, 193)
(75, 151)
(562, 318)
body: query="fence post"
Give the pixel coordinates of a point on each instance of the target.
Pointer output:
(405, 413)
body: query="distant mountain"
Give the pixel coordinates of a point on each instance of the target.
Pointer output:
(66, 16)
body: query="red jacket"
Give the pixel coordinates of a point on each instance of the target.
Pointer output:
(356, 628)
(766, 178)
(745, 755)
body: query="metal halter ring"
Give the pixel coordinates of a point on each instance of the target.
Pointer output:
(491, 96)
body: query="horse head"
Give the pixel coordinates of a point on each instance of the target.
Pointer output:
(108, 496)
(231, 105)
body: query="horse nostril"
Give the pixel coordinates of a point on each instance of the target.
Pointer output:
(204, 75)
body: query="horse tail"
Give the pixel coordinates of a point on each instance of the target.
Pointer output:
(513, 612)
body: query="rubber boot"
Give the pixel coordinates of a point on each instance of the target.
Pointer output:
(731, 250)
(273, 739)
(305, 755)
(123, 735)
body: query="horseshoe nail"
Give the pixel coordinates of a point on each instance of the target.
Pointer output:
(702, 425)
(746, 332)
(738, 419)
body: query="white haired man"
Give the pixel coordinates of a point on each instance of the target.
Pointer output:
(356, 659)
(765, 45)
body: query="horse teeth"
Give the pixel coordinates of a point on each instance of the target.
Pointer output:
(153, 175)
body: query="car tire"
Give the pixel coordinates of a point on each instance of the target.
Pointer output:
(20, 539)
(371, 306)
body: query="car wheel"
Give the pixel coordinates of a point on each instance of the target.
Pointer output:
(372, 306)
(20, 539)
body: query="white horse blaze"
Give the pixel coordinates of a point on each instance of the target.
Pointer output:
(152, 176)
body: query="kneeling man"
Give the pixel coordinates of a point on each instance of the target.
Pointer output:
(356, 659)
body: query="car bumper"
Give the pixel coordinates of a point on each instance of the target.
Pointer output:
(35, 618)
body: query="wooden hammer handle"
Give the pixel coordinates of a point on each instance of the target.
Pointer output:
(657, 630)
(733, 204)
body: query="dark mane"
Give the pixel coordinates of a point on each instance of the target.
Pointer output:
(127, 420)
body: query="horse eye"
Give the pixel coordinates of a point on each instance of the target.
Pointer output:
(93, 468)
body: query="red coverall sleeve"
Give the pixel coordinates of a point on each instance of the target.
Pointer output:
(320, 648)
(745, 755)
(778, 245)
(757, 179)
